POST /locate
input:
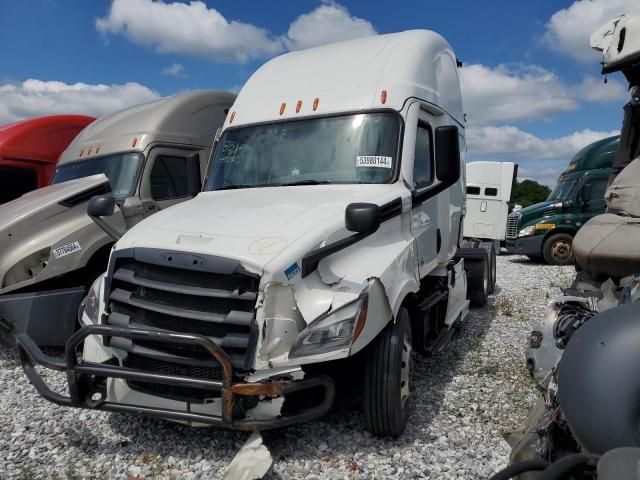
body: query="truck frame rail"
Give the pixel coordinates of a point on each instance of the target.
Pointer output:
(87, 387)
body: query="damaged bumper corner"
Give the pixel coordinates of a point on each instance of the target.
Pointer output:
(87, 383)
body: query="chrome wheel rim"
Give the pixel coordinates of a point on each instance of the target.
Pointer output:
(405, 370)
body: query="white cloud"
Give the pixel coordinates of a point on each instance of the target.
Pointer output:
(191, 29)
(540, 159)
(194, 29)
(510, 142)
(568, 30)
(174, 70)
(595, 90)
(328, 23)
(36, 97)
(511, 93)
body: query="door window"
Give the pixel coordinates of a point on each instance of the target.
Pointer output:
(598, 188)
(423, 161)
(169, 178)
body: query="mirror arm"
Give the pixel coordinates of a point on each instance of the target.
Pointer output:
(311, 260)
(418, 198)
(108, 229)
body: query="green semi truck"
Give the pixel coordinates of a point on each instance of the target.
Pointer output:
(545, 231)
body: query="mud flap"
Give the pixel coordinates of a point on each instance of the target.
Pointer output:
(49, 317)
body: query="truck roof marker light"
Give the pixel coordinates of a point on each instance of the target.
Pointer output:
(282, 107)
(81, 151)
(89, 150)
(133, 142)
(98, 147)
(233, 115)
(316, 101)
(298, 106)
(383, 97)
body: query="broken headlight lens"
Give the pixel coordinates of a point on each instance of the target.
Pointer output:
(333, 331)
(527, 231)
(92, 302)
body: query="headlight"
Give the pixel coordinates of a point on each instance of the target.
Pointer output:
(526, 231)
(92, 302)
(336, 330)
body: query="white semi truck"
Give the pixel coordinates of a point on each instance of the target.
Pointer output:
(328, 229)
(490, 200)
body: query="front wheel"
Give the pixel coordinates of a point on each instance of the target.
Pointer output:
(387, 379)
(558, 249)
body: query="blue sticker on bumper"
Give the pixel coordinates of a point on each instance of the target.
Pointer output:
(292, 271)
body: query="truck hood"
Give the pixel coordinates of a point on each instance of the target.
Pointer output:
(255, 225)
(534, 213)
(45, 202)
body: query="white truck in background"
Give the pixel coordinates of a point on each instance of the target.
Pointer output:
(328, 230)
(490, 198)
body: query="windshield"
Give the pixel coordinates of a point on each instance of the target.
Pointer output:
(359, 148)
(121, 170)
(564, 189)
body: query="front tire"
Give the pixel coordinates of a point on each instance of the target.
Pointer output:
(558, 249)
(387, 379)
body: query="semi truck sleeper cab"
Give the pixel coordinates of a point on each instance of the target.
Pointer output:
(328, 228)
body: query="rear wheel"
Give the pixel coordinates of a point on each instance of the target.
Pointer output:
(479, 281)
(558, 249)
(387, 379)
(491, 253)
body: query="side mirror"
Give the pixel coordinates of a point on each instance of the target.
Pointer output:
(362, 217)
(193, 174)
(103, 206)
(447, 155)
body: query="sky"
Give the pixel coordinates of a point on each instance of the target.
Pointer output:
(531, 85)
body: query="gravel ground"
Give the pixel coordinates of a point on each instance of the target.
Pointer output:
(465, 397)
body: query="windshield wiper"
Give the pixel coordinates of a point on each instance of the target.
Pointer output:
(303, 182)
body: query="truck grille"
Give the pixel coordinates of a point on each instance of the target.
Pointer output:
(181, 293)
(512, 226)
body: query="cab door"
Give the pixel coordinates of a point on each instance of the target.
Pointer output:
(424, 215)
(171, 175)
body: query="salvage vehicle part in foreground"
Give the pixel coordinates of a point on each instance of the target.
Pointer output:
(592, 377)
(295, 255)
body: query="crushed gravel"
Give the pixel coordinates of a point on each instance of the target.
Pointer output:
(465, 398)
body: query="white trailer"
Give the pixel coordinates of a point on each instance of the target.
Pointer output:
(328, 230)
(490, 199)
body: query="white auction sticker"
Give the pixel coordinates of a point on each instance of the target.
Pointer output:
(373, 161)
(67, 249)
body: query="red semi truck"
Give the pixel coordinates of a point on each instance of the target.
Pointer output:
(29, 151)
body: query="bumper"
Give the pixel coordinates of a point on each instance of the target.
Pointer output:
(87, 382)
(526, 246)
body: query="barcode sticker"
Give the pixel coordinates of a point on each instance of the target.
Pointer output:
(373, 161)
(67, 249)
